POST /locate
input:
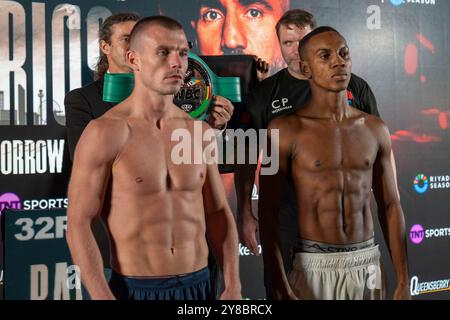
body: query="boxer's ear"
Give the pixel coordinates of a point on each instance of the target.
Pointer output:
(133, 60)
(305, 69)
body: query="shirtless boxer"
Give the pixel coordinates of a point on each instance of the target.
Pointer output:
(334, 154)
(159, 214)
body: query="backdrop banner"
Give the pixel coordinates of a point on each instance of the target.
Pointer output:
(400, 47)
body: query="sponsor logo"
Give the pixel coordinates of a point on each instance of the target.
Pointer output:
(9, 201)
(423, 183)
(417, 233)
(398, 3)
(280, 105)
(418, 288)
(43, 204)
(12, 201)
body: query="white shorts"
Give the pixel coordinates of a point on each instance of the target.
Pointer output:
(352, 275)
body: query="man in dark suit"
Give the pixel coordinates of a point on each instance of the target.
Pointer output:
(84, 104)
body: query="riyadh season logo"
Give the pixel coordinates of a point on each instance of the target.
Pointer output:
(398, 3)
(417, 233)
(418, 288)
(423, 183)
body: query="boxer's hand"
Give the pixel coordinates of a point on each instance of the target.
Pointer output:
(402, 293)
(221, 112)
(262, 69)
(247, 226)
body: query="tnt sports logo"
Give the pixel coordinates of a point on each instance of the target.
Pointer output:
(398, 3)
(417, 234)
(9, 201)
(12, 201)
(421, 183)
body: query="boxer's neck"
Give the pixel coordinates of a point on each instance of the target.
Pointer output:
(150, 105)
(329, 104)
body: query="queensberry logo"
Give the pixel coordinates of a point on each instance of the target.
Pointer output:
(435, 286)
(421, 183)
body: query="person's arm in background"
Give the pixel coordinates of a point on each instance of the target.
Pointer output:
(78, 115)
(244, 178)
(247, 224)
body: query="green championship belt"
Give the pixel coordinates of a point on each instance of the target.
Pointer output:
(195, 95)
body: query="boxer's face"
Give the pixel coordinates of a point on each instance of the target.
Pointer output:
(327, 60)
(116, 51)
(162, 59)
(289, 37)
(240, 27)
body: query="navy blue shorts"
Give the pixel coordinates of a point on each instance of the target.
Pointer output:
(191, 286)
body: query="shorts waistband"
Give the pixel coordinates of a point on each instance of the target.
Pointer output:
(163, 281)
(339, 260)
(303, 245)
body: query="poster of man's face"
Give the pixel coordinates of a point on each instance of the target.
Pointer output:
(223, 27)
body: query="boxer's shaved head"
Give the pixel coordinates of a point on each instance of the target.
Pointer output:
(143, 24)
(306, 39)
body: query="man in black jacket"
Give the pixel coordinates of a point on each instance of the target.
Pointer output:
(84, 104)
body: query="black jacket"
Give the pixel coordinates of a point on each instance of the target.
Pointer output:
(82, 105)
